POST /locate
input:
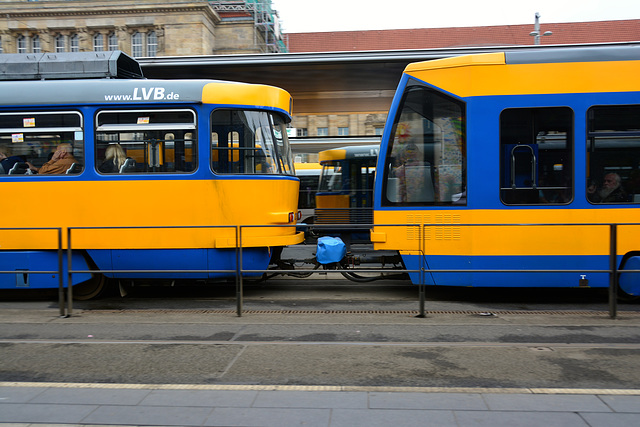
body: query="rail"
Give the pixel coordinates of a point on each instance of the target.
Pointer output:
(239, 271)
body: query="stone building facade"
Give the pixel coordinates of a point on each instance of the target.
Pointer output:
(141, 28)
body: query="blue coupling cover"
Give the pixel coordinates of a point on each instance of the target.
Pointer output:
(330, 249)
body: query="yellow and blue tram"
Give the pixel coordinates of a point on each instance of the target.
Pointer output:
(197, 159)
(345, 193)
(514, 161)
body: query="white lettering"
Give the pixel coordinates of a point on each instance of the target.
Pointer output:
(159, 93)
(145, 94)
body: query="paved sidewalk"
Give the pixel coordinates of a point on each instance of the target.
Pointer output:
(53, 404)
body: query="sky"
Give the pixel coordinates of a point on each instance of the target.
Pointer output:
(300, 16)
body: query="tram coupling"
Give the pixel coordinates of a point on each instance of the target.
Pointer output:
(360, 263)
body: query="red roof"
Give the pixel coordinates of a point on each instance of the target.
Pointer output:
(432, 38)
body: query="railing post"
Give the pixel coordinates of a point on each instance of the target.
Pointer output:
(613, 270)
(421, 286)
(69, 279)
(239, 284)
(60, 273)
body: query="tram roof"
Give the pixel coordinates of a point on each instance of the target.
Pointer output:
(548, 56)
(605, 68)
(349, 152)
(117, 92)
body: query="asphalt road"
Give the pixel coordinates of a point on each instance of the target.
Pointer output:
(325, 331)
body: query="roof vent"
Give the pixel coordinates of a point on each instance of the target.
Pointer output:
(75, 65)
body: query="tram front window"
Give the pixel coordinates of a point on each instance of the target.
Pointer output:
(249, 142)
(426, 161)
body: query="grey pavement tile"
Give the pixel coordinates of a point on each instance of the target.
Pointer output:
(611, 419)
(518, 419)
(148, 415)
(450, 401)
(269, 417)
(623, 403)
(317, 399)
(208, 398)
(391, 418)
(44, 413)
(545, 402)
(91, 396)
(19, 394)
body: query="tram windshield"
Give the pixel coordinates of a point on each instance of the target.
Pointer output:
(425, 162)
(249, 142)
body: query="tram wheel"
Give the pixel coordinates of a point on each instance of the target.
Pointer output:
(625, 297)
(90, 289)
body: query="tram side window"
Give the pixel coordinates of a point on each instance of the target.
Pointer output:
(613, 154)
(536, 156)
(45, 142)
(249, 142)
(146, 141)
(427, 154)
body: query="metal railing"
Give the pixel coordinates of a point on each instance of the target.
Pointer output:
(239, 271)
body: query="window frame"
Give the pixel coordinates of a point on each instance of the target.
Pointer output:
(591, 148)
(76, 128)
(60, 43)
(452, 126)
(534, 194)
(137, 44)
(169, 128)
(275, 152)
(98, 42)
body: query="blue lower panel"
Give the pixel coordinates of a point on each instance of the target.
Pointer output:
(179, 259)
(499, 279)
(25, 263)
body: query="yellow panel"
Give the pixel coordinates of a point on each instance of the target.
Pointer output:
(328, 155)
(447, 235)
(247, 94)
(332, 201)
(487, 78)
(147, 203)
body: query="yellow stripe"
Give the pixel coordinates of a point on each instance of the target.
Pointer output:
(245, 94)
(328, 155)
(487, 75)
(444, 233)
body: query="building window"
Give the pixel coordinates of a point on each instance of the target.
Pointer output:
(323, 131)
(136, 45)
(74, 43)
(301, 132)
(60, 43)
(113, 42)
(35, 44)
(378, 130)
(343, 131)
(22, 44)
(98, 43)
(1, 51)
(152, 44)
